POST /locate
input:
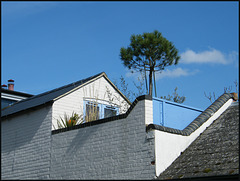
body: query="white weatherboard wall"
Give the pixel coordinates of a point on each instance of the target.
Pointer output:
(95, 90)
(168, 146)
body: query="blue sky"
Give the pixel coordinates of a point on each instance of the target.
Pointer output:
(46, 45)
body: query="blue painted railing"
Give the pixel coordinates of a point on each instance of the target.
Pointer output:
(172, 114)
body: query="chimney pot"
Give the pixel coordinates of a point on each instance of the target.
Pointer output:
(11, 84)
(235, 96)
(4, 86)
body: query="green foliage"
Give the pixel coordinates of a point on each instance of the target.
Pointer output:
(92, 107)
(149, 52)
(69, 121)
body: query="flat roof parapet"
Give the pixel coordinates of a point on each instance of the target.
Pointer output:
(196, 123)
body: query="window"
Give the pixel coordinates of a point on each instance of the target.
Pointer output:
(109, 111)
(91, 111)
(94, 110)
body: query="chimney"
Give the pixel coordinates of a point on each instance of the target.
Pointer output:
(4, 86)
(235, 96)
(11, 84)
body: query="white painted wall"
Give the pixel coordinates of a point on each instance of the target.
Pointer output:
(148, 112)
(169, 146)
(95, 89)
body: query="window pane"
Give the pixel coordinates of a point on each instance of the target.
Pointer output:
(109, 112)
(92, 112)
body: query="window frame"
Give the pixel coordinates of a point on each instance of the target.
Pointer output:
(102, 105)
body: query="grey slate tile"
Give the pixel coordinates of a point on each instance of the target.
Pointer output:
(214, 153)
(43, 98)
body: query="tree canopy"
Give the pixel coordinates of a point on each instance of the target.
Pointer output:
(149, 52)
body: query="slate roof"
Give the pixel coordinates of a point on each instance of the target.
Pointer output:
(214, 154)
(44, 98)
(7, 91)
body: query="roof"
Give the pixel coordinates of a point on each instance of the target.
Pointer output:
(7, 91)
(202, 118)
(214, 153)
(49, 96)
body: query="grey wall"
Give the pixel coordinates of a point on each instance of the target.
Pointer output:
(25, 145)
(119, 149)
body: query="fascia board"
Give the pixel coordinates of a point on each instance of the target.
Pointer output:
(82, 85)
(12, 97)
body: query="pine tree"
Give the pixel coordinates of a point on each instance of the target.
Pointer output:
(149, 52)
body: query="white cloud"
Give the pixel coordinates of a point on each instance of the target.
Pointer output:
(131, 73)
(178, 72)
(208, 56)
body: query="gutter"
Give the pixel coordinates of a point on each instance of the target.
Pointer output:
(215, 177)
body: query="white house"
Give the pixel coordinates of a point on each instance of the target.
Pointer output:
(10, 96)
(77, 97)
(136, 144)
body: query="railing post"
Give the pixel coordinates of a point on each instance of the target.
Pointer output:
(163, 112)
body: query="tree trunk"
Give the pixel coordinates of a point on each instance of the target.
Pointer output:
(145, 79)
(155, 84)
(150, 81)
